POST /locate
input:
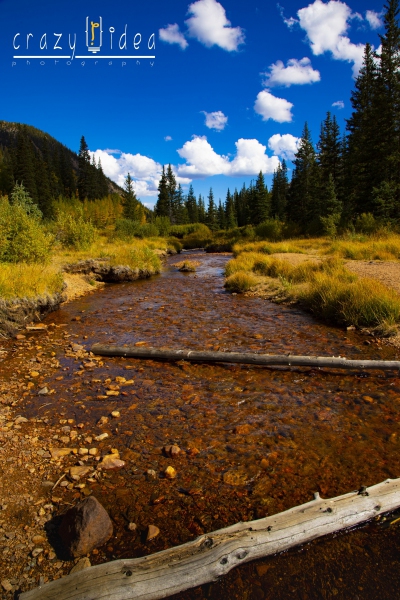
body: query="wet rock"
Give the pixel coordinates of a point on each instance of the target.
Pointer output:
(34, 373)
(235, 477)
(59, 452)
(85, 526)
(93, 451)
(170, 473)
(43, 392)
(83, 563)
(152, 532)
(6, 585)
(77, 472)
(101, 437)
(83, 451)
(150, 474)
(115, 414)
(102, 421)
(36, 552)
(132, 526)
(38, 539)
(111, 461)
(20, 420)
(172, 450)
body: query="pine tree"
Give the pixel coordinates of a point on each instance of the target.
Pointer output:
(361, 158)
(260, 207)
(130, 202)
(84, 171)
(212, 213)
(161, 208)
(221, 216)
(230, 216)
(387, 112)
(303, 206)
(329, 148)
(279, 192)
(191, 206)
(201, 210)
(172, 198)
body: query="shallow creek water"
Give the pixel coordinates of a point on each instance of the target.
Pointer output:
(255, 440)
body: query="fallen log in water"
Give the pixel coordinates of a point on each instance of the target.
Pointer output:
(212, 555)
(243, 357)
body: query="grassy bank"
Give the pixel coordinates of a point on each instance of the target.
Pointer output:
(30, 280)
(326, 288)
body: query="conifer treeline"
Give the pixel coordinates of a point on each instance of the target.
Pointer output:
(48, 169)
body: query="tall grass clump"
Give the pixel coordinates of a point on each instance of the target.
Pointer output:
(267, 248)
(240, 282)
(361, 302)
(29, 280)
(369, 249)
(136, 256)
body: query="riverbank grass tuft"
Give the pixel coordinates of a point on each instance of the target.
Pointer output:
(188, 266)
(29, 280)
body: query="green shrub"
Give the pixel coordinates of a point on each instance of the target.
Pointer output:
(163, 225)
(180, 231)
(22, 235)
(73, 231)
(271, 229)
(126, 229)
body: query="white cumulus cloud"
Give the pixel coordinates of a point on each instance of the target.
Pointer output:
(144, 171)
(203, 161)
(271, 107)
(172, 35)
(210, 26)
(296, 72)
(284, 146)
(326, 26)
(215, 120)
(339, 104)
(168, 138)
(374, 19)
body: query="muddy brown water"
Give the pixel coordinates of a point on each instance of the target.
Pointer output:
(317, 430)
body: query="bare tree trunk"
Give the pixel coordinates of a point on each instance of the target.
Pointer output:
(243, 357)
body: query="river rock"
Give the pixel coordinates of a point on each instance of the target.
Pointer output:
(83, 563)
(172, 450)
(170, 473)
(59, 452)
(111, 461)
(152, 532)
(85, 526)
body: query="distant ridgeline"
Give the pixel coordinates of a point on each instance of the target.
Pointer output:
(47, 168)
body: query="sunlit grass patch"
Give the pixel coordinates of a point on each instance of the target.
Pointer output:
(29, 280)
(369, 249)
(360, 302)
(240, 281)
(266, 247)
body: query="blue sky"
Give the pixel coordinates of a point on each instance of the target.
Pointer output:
(225, 96)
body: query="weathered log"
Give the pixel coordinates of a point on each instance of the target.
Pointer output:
(212, 555)
(243, 357)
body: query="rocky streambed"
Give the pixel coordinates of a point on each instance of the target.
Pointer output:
(251, 441)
